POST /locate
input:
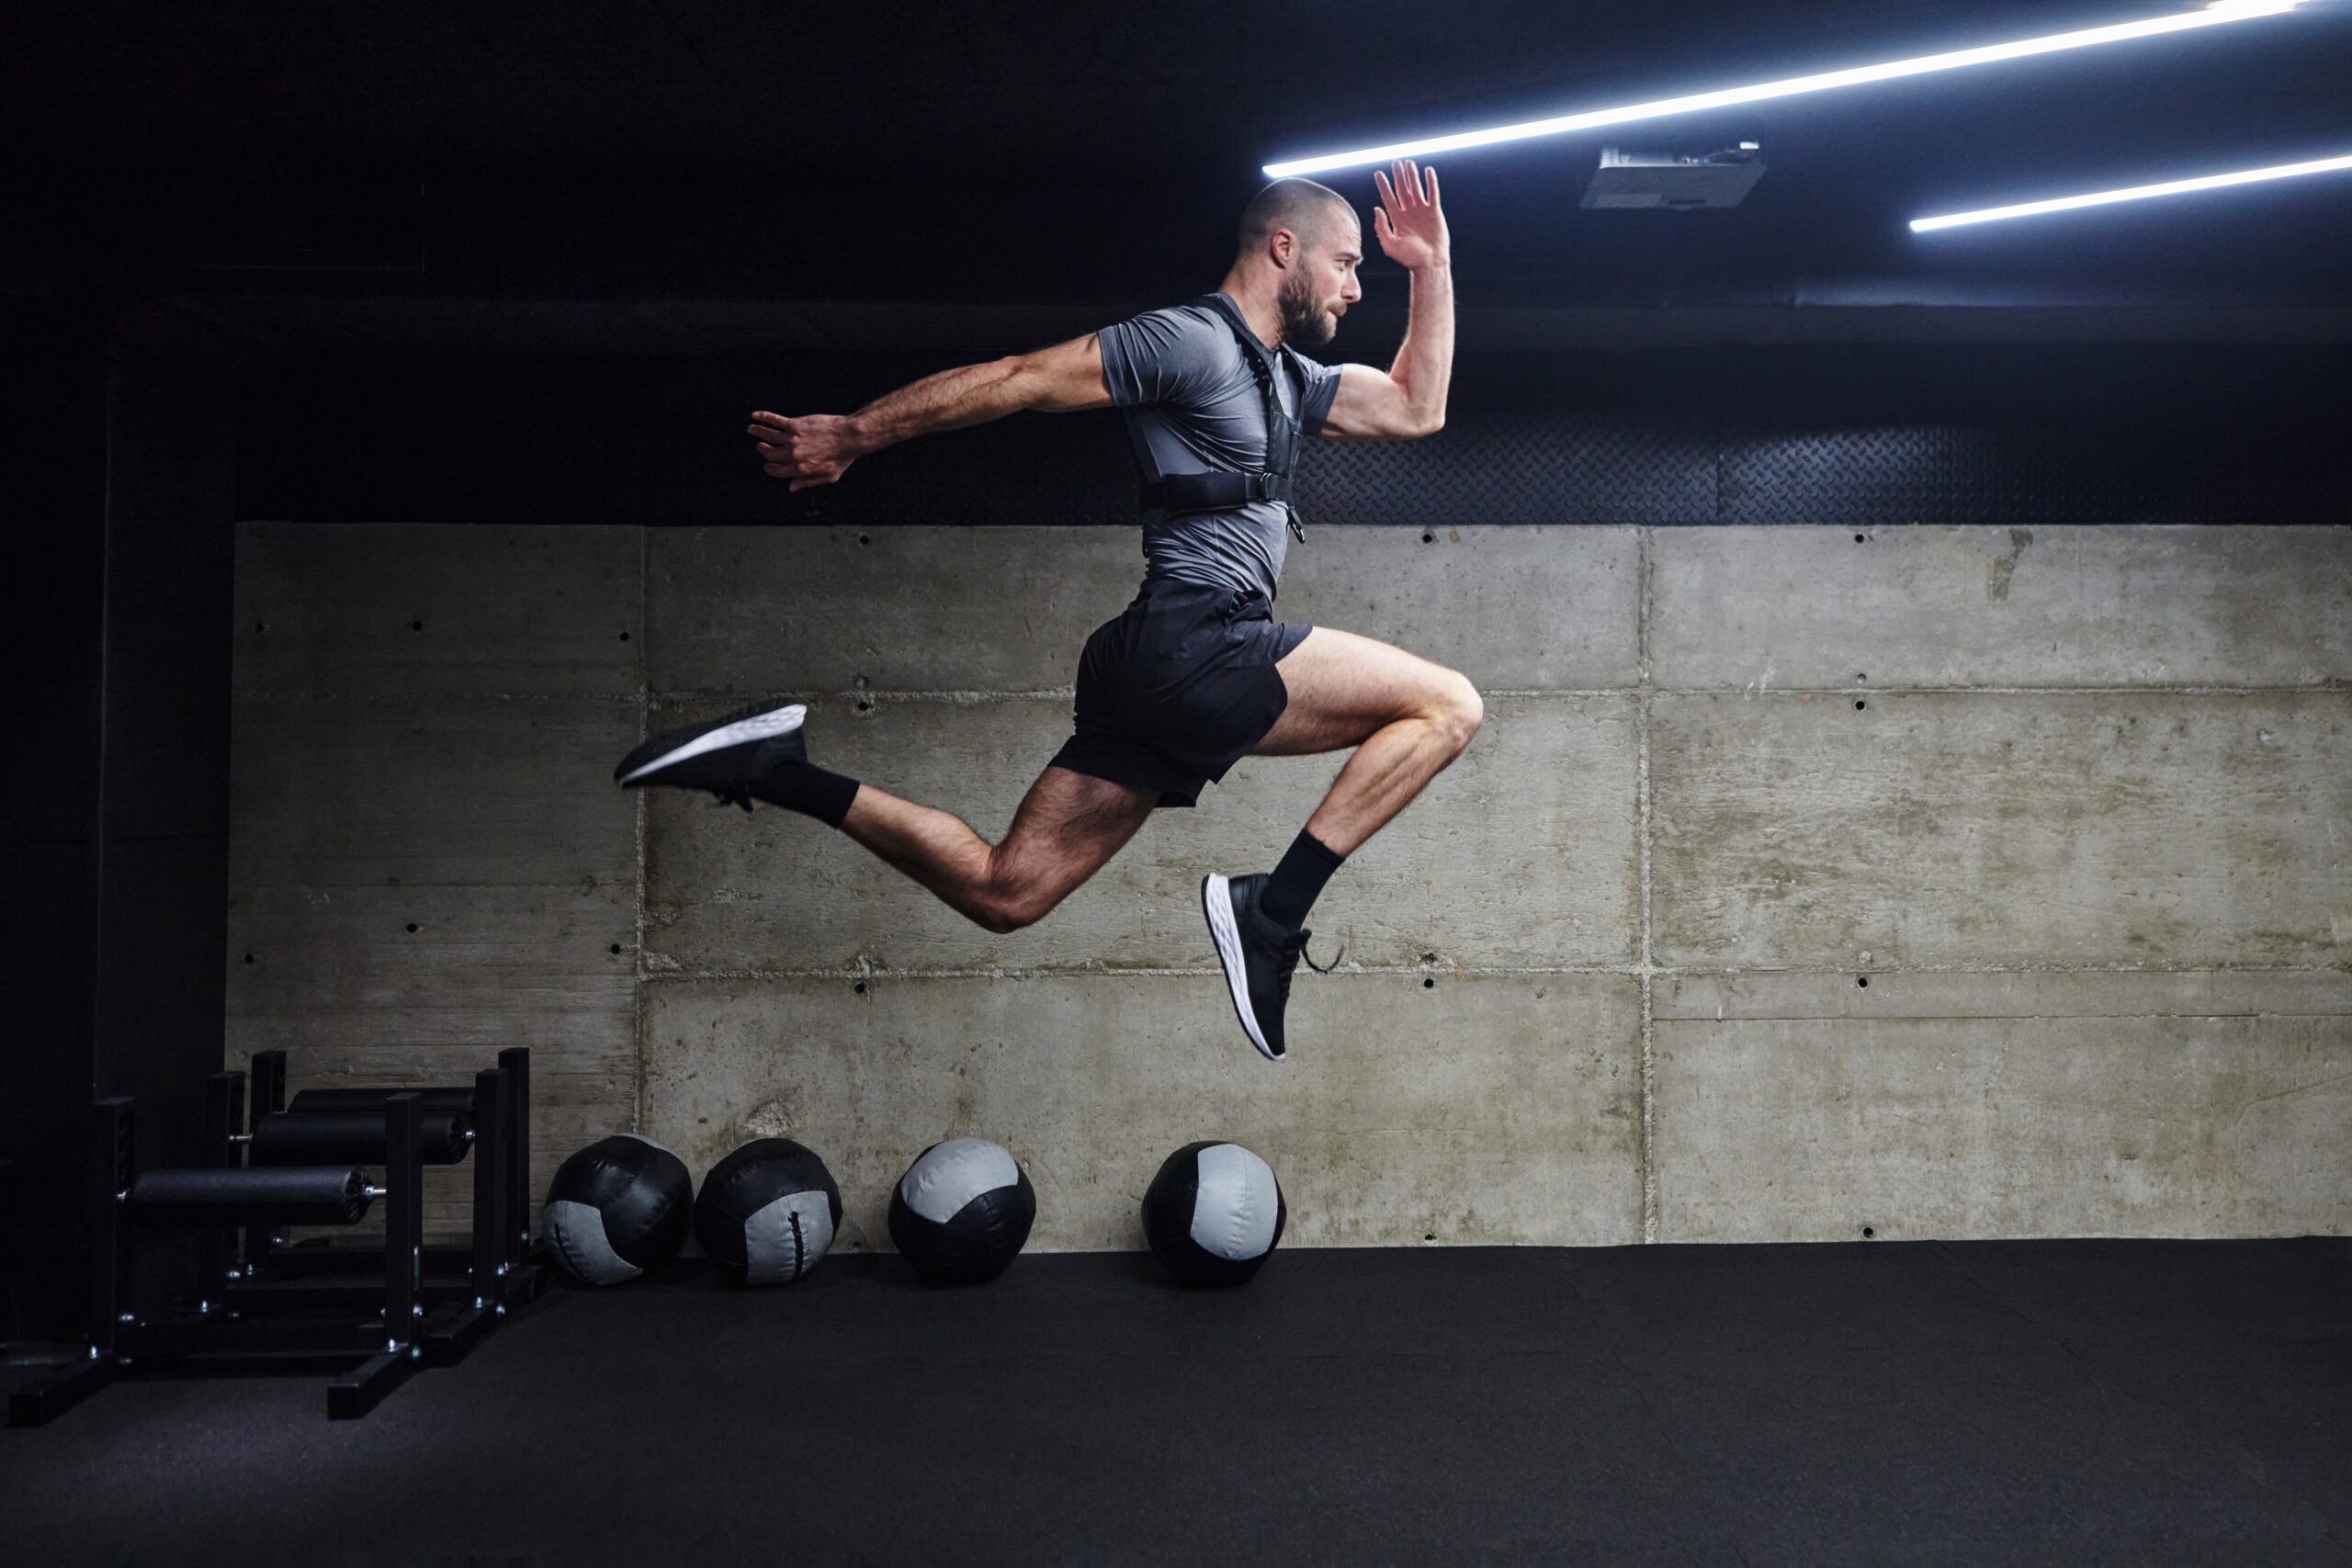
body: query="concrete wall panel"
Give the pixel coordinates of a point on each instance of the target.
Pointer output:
(447, 791)
(1515, 609)
(2040, 607)
(812, 610)
(1955, 828)
(2011, 1106)
(1485, 1109)
(1523, 854)
(416, 609)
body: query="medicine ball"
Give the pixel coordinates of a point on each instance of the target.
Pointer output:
(1214, 1213)
(962, 1211)
(615, 1209)
(768, 1212)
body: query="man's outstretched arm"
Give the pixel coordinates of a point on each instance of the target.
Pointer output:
(1408, 398)
(815, 449)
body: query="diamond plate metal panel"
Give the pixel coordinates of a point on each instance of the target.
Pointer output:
(1851, 434)
(1530, 466)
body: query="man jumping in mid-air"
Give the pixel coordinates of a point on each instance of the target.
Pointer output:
(1196, 673)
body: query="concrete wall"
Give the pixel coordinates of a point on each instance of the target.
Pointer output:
(1802, 885)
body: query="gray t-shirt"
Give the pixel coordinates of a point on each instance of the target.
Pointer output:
(1192, 406)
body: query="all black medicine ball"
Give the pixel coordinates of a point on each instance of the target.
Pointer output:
(768, 1212)
(1214, 1213)
(615, 1209)
(962, 1212)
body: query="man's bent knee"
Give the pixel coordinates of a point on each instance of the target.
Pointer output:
(1461, 711)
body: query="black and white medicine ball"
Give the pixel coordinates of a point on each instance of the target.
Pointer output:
(768, 1210)
(615, 1209)
(1214, 1213)
(962, 1212)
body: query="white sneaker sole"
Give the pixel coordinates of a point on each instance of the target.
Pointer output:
(1216, 904)
(759, 727)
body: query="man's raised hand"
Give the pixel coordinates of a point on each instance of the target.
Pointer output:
(814, 449)
(1407, 223)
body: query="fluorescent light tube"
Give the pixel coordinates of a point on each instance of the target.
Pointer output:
(2211, 15)
(2100, 198)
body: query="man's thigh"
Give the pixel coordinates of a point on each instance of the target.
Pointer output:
(1343, 687)
(1069, 827)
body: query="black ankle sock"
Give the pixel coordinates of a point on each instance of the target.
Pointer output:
(804, 786)
(1291, 891)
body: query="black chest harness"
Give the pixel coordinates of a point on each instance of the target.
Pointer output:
(1223, 492)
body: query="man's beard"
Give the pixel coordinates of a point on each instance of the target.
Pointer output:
(1305, 325)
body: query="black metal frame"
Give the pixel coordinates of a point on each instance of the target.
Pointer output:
(258, 1297)
(483, 1278)
(120, 1337)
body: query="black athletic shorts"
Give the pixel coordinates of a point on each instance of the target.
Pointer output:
(1179, 687)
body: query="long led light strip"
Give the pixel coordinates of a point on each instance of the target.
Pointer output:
(2213, 15)
(2174, 187)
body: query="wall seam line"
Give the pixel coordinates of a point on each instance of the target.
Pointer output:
(865, 969)
(1648, 968)
(643, 704)
(1057, 693)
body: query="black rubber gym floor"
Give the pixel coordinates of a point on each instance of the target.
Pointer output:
(2079, 1402)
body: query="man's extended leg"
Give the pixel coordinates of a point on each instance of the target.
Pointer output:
(1067, 827)
(1408, 718)
(1069, 824)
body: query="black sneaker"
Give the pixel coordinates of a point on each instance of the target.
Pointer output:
(725, 756)
(1258, 956)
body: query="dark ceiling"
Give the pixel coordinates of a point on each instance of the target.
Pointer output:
(957, 157)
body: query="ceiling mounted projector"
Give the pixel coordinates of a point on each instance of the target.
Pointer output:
(1674, 179)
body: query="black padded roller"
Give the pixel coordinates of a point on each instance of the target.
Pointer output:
(288, 1195)
(321, 1137)
(348, 1099)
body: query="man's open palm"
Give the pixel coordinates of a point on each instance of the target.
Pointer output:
(1407, 223)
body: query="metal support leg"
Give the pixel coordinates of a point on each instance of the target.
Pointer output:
(266, 1098)
(357, 1392)
(450, 1333)
(224, 1112)
(516, 1060)
(112, 1161)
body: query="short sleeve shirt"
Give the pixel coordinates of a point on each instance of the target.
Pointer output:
(1192, 406)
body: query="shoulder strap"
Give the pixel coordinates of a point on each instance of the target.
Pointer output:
(1221, 491)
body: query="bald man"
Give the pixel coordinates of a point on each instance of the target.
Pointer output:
(1195, 673)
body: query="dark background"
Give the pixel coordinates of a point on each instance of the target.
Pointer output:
(536, 264)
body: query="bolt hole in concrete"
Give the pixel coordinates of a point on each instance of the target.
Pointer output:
(616, 947)
(1431, 1237)
(1863, 981)
(1429, 985)
(1857, 538)
(862, 539)
(864, 707)
(1429, 539)
(1868, 1232)
(624, 636)
(412, 926)
(249, 958)
(261, 625)
(859, 988)
(416, 625)
(1859, 705)
(1861, 676)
